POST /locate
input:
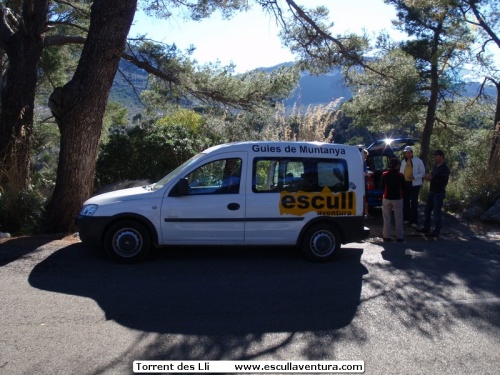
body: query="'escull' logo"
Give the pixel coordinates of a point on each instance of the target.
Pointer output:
(323, 203)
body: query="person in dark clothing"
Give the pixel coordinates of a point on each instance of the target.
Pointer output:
(437, 191)
(393, 183)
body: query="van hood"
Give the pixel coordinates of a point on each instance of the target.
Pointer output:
(120, 195)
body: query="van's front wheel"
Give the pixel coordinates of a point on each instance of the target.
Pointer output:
(127, 241)
(320, 242)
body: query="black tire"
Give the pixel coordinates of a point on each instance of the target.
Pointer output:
(321, 242)
(127, 241)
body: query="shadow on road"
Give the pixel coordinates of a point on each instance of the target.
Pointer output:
(437, 281)
(211, 291)
(15, 248)
(212, 303)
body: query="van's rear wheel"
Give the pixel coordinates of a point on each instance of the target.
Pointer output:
(321, 242)
(127, 241)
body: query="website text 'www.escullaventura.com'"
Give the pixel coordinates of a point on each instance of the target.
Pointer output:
(247, 367)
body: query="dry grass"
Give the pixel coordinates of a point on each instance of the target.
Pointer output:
(311, 124)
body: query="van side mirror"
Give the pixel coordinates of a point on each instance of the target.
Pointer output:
(181, 188)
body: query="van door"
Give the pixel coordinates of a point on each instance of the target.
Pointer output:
(213, 211)
(289, 191)
(265, 223)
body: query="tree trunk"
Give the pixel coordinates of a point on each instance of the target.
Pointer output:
(23, 49)
(434, 94)
(79, 109)
(494, 159)
(431, 114)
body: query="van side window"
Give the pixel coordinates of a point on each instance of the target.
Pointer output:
(332, 174)
(218, 177)
(294, 174)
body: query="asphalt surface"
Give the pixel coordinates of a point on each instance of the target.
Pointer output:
(418, 307)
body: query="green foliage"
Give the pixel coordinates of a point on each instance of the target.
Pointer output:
(465, 138)
(150, 151)
(196, 10)
(175, 78)
(218, 87)
(312, 42)
(21, 211)
(188, 118)
(463, 133)
(439, 39)
(59, 59)
(44, 157)
(388, 101)
(67, 14)
(55, 63)
(475, 185)
(115, 116)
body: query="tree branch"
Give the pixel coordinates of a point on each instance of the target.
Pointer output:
(483, 24)
(60, 40)
(146, 66)
(83, 12)
(343, 50)
(5, 30)
(57, 23)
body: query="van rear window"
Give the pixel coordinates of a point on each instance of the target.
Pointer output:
(299, 174)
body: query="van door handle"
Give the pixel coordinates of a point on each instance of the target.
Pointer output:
(233, 206)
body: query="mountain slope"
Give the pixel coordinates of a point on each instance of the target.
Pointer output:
(312, 90)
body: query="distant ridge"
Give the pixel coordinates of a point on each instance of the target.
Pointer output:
(313, 90)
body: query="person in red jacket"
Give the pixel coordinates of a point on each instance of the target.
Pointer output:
(393, 183)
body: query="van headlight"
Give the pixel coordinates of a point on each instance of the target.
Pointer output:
(89, 210)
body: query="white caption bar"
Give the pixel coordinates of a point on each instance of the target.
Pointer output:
(248, 367)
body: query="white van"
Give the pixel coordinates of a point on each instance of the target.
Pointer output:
(308, 194)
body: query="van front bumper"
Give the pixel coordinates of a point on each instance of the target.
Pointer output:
(91, 229)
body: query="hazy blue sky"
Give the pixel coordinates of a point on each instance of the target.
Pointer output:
(249, 40)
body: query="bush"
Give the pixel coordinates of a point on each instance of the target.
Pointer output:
(475, 185)
(148, 152)
(21, 211)
(467, 154)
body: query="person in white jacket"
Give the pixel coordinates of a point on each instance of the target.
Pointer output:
(413, 169)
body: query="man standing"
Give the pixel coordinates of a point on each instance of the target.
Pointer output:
(413, 169)
(437, 191)
(392, 182)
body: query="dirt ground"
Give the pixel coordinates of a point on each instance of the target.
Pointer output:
(40, 239)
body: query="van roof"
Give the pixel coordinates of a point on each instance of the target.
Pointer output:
(248, 145)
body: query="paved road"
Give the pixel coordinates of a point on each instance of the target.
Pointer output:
(420, 307)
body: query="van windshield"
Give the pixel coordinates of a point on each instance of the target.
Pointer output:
(176, 172)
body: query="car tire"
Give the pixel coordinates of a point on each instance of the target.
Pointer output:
(127, 241)
(321, 242)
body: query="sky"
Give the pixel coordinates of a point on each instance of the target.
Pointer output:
(250, 39)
